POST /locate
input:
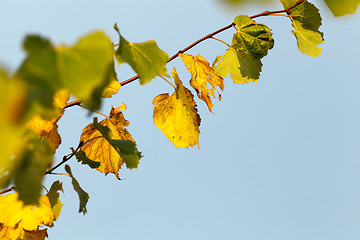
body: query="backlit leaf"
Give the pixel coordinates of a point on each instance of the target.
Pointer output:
(85, 68)
(243, 68)
(342, 7)
(203, 79)
(146, 59)
(111, 89)
(83, 196)
(107, 142)
(22, 222)
(306, 20)
(176, 115)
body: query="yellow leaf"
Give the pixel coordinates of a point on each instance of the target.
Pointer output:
(22, 222)
(111, 89)
(61, 97)
(48, 129)
(99, 149)
(202, 77)
(176, 115)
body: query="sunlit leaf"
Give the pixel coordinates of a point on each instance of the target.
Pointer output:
(22, 222)
(342, 7)
(108, 142)
(83, 196)
(111, 89)
(306, 20)
(243, 68)
(146, 59)
(203, 79)
(176, 115)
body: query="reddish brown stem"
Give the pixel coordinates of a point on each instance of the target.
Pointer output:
(266, 13)
(7, 190)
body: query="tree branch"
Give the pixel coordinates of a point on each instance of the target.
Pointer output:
(7, 190)
(265, 13)
(66, 158)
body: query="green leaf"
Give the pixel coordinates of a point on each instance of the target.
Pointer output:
(252, 37)
(126, 149)
(53, 196)
(30, 173)
(83, 196)
(81, 157)
(243, 68)
(306, 20)
(146, 59)
(342, 7)
(85, 68)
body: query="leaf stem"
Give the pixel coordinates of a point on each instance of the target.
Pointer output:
(168, 81)
(220, 41)
(93, 110)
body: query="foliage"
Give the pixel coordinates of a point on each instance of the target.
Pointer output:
(36, 96)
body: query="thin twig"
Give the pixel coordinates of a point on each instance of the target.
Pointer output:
(266, 13)
(7, 190)
(65, 158)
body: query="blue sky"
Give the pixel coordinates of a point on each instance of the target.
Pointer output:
(279, 160)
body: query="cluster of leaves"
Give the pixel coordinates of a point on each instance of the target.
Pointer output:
(36, 96)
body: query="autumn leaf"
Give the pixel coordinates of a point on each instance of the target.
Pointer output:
(48, 129)
(102, 143)
(176, 115)
(111, 89)
(342, 7)
(202, 77)
(21, 222)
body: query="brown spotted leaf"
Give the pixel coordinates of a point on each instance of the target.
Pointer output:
(176, 115)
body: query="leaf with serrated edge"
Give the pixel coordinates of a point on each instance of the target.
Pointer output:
(146, 59)
(203, 75)
(16, 219)
(252, 37)
(83, 196)
(100, 146)
(306, 20)
(176, 115)
(243, 68)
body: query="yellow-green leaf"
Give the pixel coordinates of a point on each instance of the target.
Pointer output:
(202, 77)
(176, 115)
(111, 89)
(306, 20)
(342, 7)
